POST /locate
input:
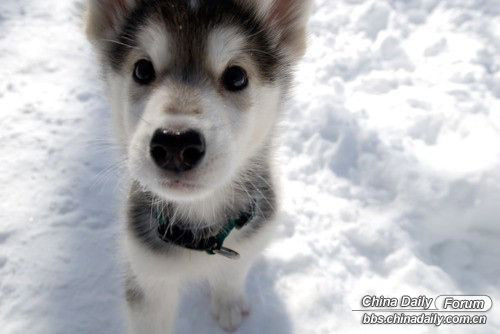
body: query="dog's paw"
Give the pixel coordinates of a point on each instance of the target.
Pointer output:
(230, 314)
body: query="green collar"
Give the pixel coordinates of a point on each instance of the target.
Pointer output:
(174, 234)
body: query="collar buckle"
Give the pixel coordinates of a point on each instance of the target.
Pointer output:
(227, 253)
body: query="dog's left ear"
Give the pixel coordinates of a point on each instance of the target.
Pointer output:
(288, 20)
(104, 18)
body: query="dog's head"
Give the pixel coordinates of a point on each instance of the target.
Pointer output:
(196, 85)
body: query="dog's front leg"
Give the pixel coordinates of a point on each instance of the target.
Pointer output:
(229, 305)
(152, 310)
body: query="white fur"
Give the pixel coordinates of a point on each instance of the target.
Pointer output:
(157, 42)
(224, 45)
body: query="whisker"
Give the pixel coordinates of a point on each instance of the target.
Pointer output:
(120, 43)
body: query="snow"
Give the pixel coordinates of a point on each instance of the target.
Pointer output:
(390, 160)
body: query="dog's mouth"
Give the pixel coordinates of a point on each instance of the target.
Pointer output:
(179, 189)
(179, 185)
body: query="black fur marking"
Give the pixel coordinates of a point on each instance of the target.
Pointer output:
(190, 27)
(143, 224)
(133, 292)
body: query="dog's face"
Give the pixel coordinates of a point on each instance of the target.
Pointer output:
(196, 85)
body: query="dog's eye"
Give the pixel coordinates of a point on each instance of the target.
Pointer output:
(235, 79)
(144, 72)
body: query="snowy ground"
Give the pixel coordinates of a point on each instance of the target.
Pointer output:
(391, 161)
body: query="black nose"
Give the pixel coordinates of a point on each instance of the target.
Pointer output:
(177, 151)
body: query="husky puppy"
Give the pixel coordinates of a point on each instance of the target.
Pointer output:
(196, 88)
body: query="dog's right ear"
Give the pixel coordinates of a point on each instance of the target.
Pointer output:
(104, 18)
(287, 21)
